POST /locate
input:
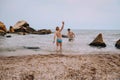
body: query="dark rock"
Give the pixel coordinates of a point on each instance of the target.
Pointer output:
(117, 45)
(23, 26)
(64, 36)
(98, 42)
(43, 31)
(22, 33)
(32, 47)
(29, 77)
(8, 36)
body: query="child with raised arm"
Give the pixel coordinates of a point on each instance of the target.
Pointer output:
(58, 36)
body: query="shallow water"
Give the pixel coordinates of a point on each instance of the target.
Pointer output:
(16, 44)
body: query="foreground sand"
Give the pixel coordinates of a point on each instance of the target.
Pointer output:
(61, 67)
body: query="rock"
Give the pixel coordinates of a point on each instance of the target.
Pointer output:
(8, 36)
(117, 45)
(98, 42)
(43, 31)
(31, 47)
(22, 33)
(23, 26)
(29, 77)
(11, 30)
(64, 36)
(2, 33)
(3, 27)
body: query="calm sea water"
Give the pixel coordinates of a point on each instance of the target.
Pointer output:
(15, 45)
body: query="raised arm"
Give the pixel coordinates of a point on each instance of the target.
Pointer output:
(62, 26)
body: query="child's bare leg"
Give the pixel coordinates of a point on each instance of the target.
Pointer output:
(57, 44)
(60, 46)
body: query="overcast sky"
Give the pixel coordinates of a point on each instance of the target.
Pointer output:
(77, 14)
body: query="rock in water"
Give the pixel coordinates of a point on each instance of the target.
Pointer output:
(98, 42)
(117, 45)
(11, 30)
(3, 29)
(2, 33)
(23, 26)
(31, 47)
(64, 36)
(8, 36)
(43, 31)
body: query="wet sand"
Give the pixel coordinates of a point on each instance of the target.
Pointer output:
(61, 67)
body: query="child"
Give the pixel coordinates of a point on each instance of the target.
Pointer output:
(71, 35)
(58, 36)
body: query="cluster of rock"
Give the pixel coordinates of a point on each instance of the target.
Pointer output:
(3, 29)
(42, 31)
(98, 42)
(22, 27)
(64, 36)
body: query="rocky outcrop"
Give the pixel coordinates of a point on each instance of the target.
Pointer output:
(43, 31)
(11, 29)
(3, 29)
(117, 45)
(98, 42)
(23, 26)
(2, 33)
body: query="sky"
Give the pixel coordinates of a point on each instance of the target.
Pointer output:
(77, 14)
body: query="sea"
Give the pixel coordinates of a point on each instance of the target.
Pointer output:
(19, 45)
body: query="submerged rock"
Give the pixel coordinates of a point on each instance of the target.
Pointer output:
(117, 45)
(31, 47)
(98, 42)
(8, 36)
(64, 36)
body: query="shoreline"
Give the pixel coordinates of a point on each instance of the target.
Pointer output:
(61, 67)
(27, 52)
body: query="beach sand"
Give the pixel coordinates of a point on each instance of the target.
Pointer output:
(61, 67)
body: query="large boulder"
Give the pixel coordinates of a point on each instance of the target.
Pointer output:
(117, 45)
(23, 26)
(98, 42)
(3, 29)
(43, 31)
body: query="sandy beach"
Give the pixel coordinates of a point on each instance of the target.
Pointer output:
(61, 67)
